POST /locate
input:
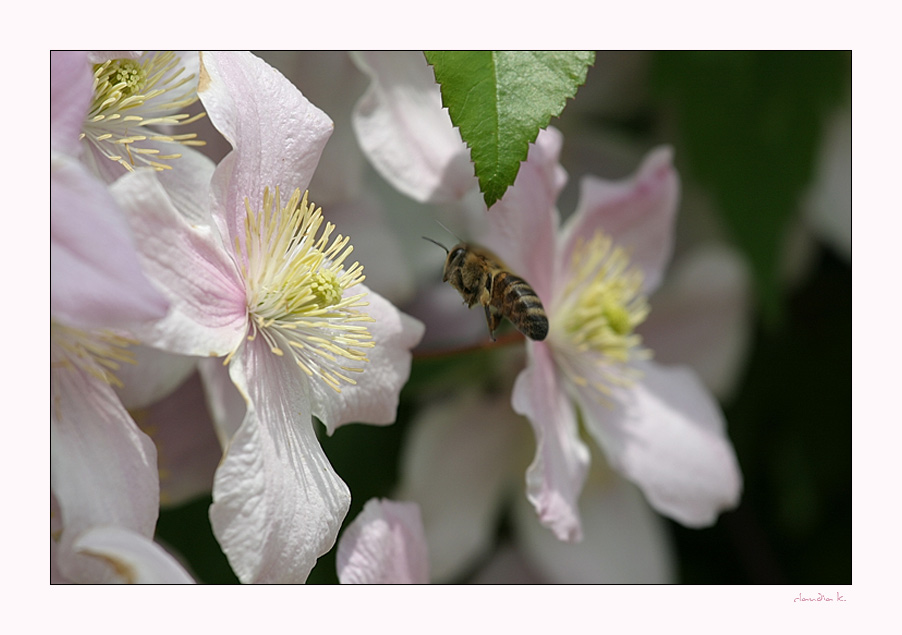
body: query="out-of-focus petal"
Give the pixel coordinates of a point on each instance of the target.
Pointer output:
(187, 448)
(624, 541)
(103, 469)
(388, 272)
(96, 280)
(556, 475)
(374, 398)
(189, 264)
(828, 206)
(701, 317)
(667, 434)
(133, 558)
(524, 223)
(384, 545)
(153, 376)
(277, 134)
(226, 405)
(459, 460)
(509, 566)
(71, 90)
(405, 132)
(277, 503)
(332, 81)
(638, 213)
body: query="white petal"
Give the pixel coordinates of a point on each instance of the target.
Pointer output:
(667, 435)
(624, 541)
(556, 476)
(190, 265)
(384, 545)
(277, 134)
(374, 398)
(404, 131)
(460, 458)
(277, 503)
(638, 212)
(133, 558)
(701, 317)
(103, 469)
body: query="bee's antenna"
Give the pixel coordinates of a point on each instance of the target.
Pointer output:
(459, 239)
(435, 242)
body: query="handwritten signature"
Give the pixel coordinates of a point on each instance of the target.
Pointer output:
(820, 598)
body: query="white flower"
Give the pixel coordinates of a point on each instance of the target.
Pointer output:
(265, 283)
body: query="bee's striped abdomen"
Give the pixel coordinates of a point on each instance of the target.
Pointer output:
(518, 302)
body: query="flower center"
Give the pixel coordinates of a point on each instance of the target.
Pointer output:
(131, 95)
(597, 314)
(98, 353)
(296, 284)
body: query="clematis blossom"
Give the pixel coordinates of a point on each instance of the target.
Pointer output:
(656, 425)
(265, 283)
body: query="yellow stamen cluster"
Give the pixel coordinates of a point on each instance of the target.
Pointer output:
(296, 286)
(597, 313)
(132, 96)
(99, 353)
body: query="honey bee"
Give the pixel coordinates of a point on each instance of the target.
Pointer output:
(480, 277)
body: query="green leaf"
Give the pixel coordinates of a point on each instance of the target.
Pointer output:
(749, 128)
(501, 99)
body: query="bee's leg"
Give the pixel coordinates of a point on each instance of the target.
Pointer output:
(493, 319)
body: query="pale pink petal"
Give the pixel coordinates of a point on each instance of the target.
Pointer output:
(405, 132)
(95, 277)
(133, 558)
(277, 503)
(638, 212)
(374, 398)
(189, 264)
(461, 456)
(524, 223)
(188, 450)
(667, 434)
(384, 545)
(277, 135)
(701, 316)
(103, 469)
(154, 375)
(624, 541)
(71, 91)
(556, 475)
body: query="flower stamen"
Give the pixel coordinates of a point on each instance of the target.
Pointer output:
(132, 95)
(597, 315)
(297, 285)
(98, 353)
